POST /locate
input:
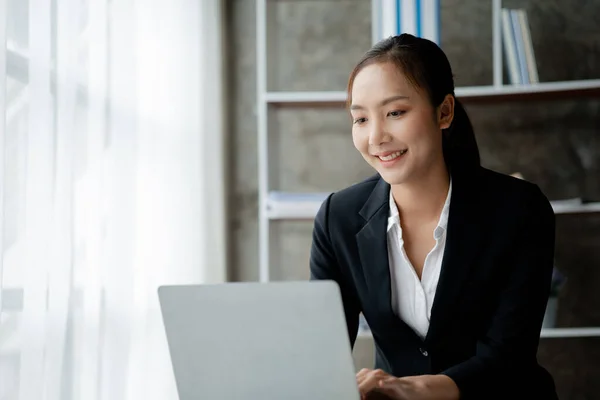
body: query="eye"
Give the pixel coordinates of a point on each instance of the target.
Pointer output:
(396, 113)
(359, 121)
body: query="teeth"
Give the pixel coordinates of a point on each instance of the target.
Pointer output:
(392, 156)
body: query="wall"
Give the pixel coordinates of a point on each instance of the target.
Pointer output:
(314, 44)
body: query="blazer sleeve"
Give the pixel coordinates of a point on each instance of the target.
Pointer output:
(510, 344)
(325, 266)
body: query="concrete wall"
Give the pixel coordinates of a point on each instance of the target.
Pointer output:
(314, 44)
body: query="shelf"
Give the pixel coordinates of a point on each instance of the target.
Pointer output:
(293, 210)
(570, 332)
(282, 205)
(577, 208)
(305, 206)
(467, 93)
(333, 97)
(543, 90)
(554, 333)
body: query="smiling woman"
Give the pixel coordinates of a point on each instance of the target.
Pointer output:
(449, 262)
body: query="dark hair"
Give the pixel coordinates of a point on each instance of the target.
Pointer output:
(426, 66)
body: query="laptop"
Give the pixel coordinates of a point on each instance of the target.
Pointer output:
(259, 341)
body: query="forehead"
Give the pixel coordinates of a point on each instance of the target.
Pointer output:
(380, 80)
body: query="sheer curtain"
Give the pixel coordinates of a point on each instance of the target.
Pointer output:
(112, 183)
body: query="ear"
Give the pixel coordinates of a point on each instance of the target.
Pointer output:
(446, 112)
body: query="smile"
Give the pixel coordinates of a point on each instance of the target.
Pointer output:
(393, 155)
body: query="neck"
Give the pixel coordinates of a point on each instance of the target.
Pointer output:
(423, 197)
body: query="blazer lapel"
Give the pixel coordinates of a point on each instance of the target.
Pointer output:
(462, 241)
(372, 247)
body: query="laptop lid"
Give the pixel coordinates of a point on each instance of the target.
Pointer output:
(251, 341)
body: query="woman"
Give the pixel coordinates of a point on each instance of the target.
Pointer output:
(449, 262)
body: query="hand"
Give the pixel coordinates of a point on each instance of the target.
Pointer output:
(423, 387)
(368, 380)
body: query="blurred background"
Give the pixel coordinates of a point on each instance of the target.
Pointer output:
(146, 142)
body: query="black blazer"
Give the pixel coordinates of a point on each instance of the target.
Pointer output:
(492, 292)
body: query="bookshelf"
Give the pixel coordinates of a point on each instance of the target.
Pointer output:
(281, 206)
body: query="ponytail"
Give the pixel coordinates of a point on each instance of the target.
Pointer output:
(458, 142)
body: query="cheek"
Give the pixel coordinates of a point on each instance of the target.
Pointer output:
(360, 140)
(420, 133)
(426, 147)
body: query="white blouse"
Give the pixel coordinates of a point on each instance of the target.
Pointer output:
(412, 298)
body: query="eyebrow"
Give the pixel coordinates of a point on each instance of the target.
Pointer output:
(382, 103)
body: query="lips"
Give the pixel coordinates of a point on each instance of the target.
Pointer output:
(391, 156)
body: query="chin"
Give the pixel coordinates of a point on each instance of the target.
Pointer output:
(393, 177)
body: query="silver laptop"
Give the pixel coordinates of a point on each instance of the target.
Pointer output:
(259, 341)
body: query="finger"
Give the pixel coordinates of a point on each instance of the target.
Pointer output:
(365, 373)
(361, 376)
(370, 381)
(366, 384)
(362, 373)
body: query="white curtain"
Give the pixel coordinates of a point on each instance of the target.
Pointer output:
(112, 183)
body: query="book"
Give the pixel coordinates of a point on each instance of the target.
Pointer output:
(518, 47)
(532, 71)
(417, 17)
(510, 48)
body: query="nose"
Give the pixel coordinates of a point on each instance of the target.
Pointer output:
(378, 134)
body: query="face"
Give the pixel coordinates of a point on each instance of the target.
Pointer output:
(394, 125)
